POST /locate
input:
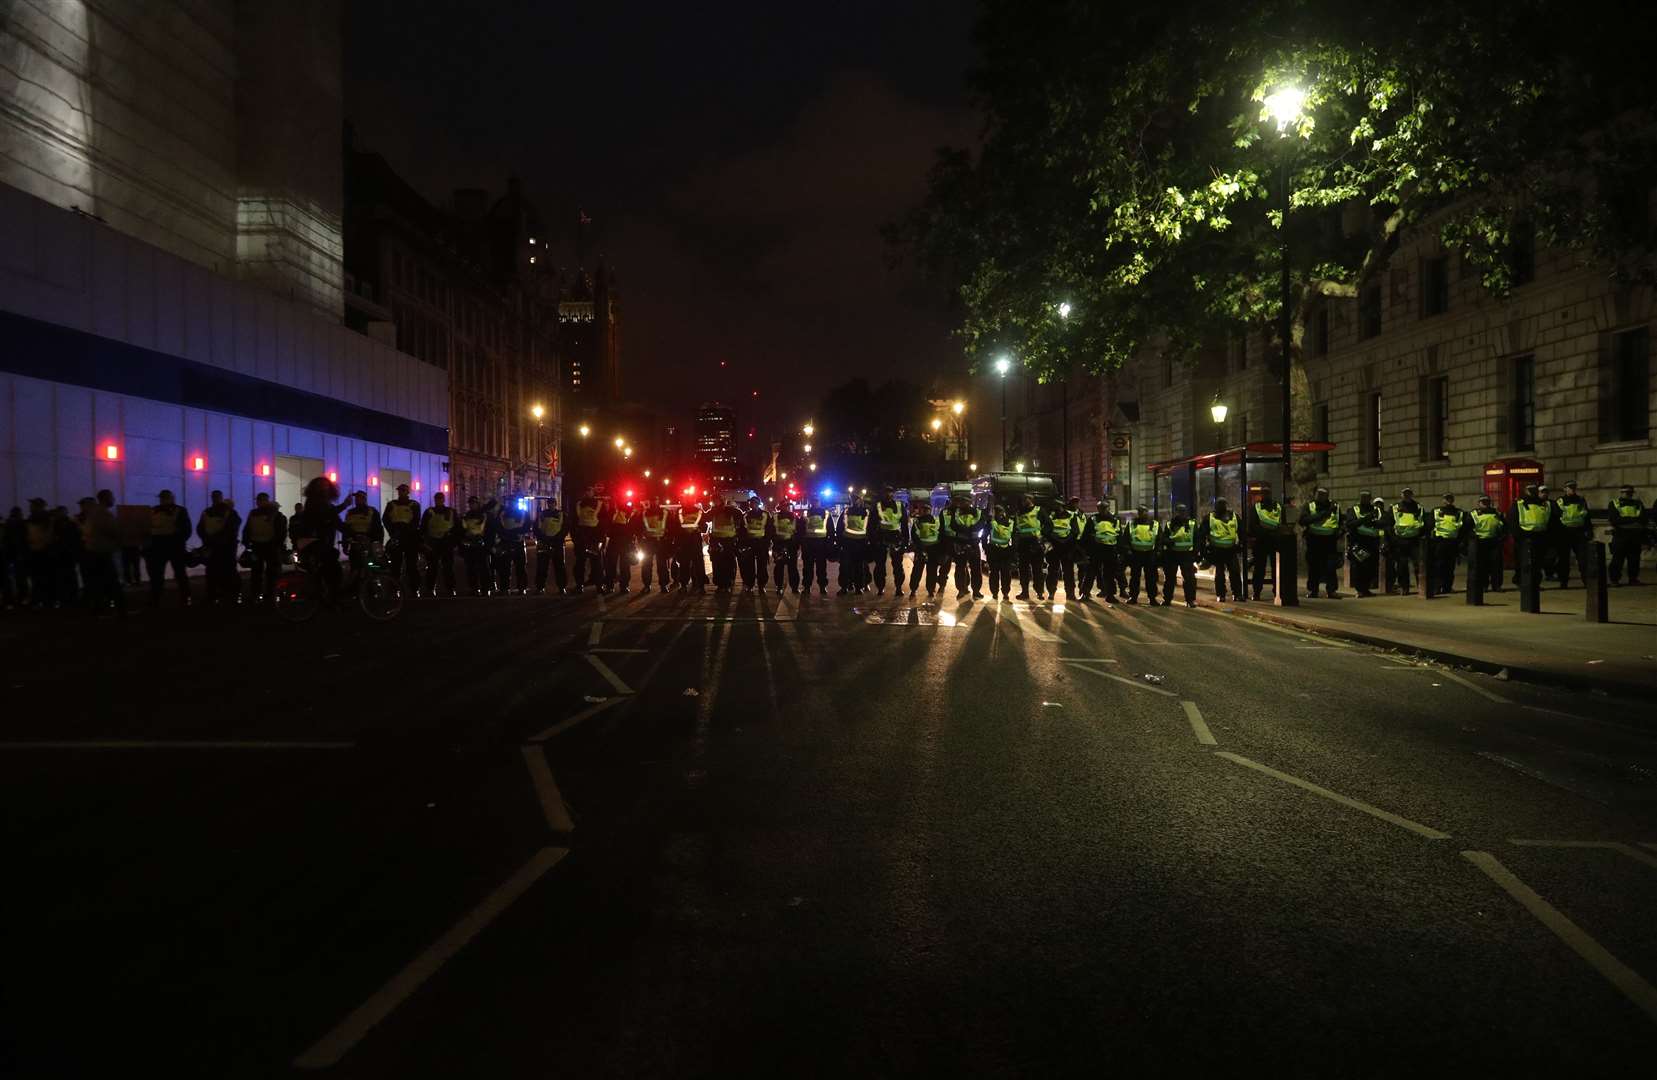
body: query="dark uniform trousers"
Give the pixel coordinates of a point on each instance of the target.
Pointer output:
(510, 563)
(589, 544)
(722, 551)
(655, 554)
(1030, 563)
(440, 565)
(854, 563)
(688, 564)
(1321, 563)
(267, 561)
(1364, 553)
(1490, 564)
(1142, 562)
(1224, 561)
(156, 561)
(1571, 543)
(549, 556)
(618, 560)
(1443, 554)
(1265, 552)
(1061, 562)
(1001, 560)
(753, 555)
(1100, 571)
(887, 546)
(817, 551)
(1185, 563)
(785, 554)
(969, 566)
(928, 563)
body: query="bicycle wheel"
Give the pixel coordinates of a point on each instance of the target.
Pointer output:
(296, 597)
(380, 597)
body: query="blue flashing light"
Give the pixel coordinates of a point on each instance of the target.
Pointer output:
(828, 492)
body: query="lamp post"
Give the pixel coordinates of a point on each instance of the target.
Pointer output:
(540, 437)
(1002, 366)
(1283, 105)
(1217, 411)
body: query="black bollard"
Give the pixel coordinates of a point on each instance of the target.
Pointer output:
(1598, 607)
(1286, 591)
(1424, 582)
(1475, 573)
(1530, 579)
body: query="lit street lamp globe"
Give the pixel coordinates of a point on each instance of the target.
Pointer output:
(1218, 411)
(1283, 105)
(1002, 366)
(585, 430)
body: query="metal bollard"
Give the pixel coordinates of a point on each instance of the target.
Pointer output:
(1598, 605)
(1530, 577)
(1475, 573)
(1286, 592)
(1423, 569)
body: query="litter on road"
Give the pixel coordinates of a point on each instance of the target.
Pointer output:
(1158, 679)
(591, 700)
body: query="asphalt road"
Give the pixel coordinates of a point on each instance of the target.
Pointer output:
(808, 837)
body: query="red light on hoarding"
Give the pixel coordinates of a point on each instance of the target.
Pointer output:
(264, 470)
(417, 485)
(112, 452)
(198, 463)
(333, 478)
(445, 489)
(373, 481)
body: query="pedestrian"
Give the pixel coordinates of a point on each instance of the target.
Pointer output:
(218, 529)
(1142, 555)
(1061, 531)
(966, 529)
(100, 545)
(477, 537)
(1404, 527)
(1027, 530)
(1449, 528)
(316, 529)
(752, 549)
(402, 520)
(1217, 539)
(1628, 535)
(621, 541)
(1265, 527)
(169, 529)
(1321, 523)
(265, 535)
(1178, 549)
(689, 563)
(784, 538)
(1363, 543)
(724, 524)
(439, 532)
(818, 546)
(998, 553)
(14, 586)
(655, 551)
(926, 537)
(511, 533)
(854, 537)
(588, 539)
(1529, 522)
(1572, 534)
(1488, 530)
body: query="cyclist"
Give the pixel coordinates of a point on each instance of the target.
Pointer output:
(314, 530)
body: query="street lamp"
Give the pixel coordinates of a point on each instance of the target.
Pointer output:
(1284, 106)
(958, 408)
(807, 448)
(585, 430)
(537, 412)
(1018, 466)
(937, 423)
(647, 474)
(812, 466)
(1218, 411)
(808, 431)
(972, 466)
(1002, 366)
(1064, 309)
(627, 451)
(620, 442)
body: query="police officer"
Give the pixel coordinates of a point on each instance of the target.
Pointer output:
(784, 538)
(1363, 543)
(887, 540)
(1403, 534)
(401, 518)
(589, 541)
(100, 541)
(966, 528)
(1488, 529)
(1101, 549)
(362, 528)
(1265, 526)
(1528, 522)
(1628, 530)
(621, 538)
(265, 534)
(1061, 530)
(1217, 539)
(511, 530)
(819, 546)
(1572, 534)
(854, 540)
(169, 529)
(1178, 549)
(688, 562)
(1142, 554)
(1321, 522)
(927, 539)
(722, 545)
(753, 550)
(36, 563)
(439, 532)
(218, 529)
(1027, 529)
(654, 546)
(477, 536)
(1444, 544)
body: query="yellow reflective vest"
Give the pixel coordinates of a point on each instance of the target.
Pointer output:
(550, 524)
(1533, 516)
(816, 525)
(925, 531)
(655, 524)
(1142, 535)
(1222, 533)
(784, 525)
(855, 523)
(1487, 524)
(439, 522)
(1029, 522)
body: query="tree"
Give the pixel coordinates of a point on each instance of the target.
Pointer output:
(1129, 170)
(887, 422)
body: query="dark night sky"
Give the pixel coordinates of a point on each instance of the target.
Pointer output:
(737, 160)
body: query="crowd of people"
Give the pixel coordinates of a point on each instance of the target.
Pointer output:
(50, 558)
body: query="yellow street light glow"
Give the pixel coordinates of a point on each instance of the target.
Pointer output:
(813, 466)
(808, 448)
(1218, 411)
(1018, 466)
(1283, 105)
(1002, 366)
(936, 423)
(627, 451)
(585, 431)
(1064, 309)
(537, 412)
(973, 467)
(620, 442)
(958, 408)
(647, 474)
(809, 431)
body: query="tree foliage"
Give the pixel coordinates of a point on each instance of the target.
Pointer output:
(1128, 168)
(887, 422)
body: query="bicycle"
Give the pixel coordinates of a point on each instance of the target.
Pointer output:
(299, 592)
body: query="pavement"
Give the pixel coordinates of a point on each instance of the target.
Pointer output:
(680, 835)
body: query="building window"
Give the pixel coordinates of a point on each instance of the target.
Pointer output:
(1168, 372)
(1372, 430)
(1522, 405)
(1320, 425)
(1625, 387)
(1435, 407)
(1369, 312)
(1320, 331)
(1521, 255)
(1435, 286)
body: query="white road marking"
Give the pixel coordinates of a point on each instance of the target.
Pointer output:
(1306, 785)
(595, 633)
(1137, 684)
(1089, 660)
(546, 790)
(1028, 625)
(1199, 726)
(350, 1031)
(1488, 695)
(1557, 712)
(1620, 975)
(1607, 845)
(570, 721)
(609, 676)
(178, 744)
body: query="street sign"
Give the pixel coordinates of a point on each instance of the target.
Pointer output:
(1121, 442)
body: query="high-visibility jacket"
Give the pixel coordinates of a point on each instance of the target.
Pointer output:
(359, 520)
(1573, 513)
(512, 524)
(1446, 523)
(550, 525)
(963, 525)
(1222, 532)
(784, 525)
(655, 523)
(855, 522)
(1327, 525)
(164, 522)
(1107, 531)
(724, 525)
(816, 525)
(439, 521)
(1270, 517)
(1627, 514)
(1029, 522)
(925, 531)
(1001, 533)
(586, 514)
(261, 527)
(399, 512)
(1533, 516)
(690, 520)
(474, 525)
(213, 524)
(1405, 524)
(1063, 525)
(1142, 535)
(1366, 522)
(621, 516)
(1487, 524)
(754, 523)
(891, 517)
(1180, 539)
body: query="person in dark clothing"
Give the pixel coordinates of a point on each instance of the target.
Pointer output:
(265, 535)
(784, 538)
(316, 529)
(511, 530)
(753, 549)
(854, 546)
(1628, 534)
(477, 538)
(1102, 539)
(655, 546)
(550, 533)
(1444, 544)
(440, 530)
(689, 564)
(1404, 528)
(621, 538)
(169, 530)
(218, 529)
(1027, 529)
(66, 556)
(1142, 555)
(966, 528)
(1265, 528)
(1488, 530)
(100, 543)
(724, 524)
(401, 518)
(1530, 523)
(1217, 539)
(1572, 534)
(14, 586)
(1061, 531)
(1363, 543)
(362, 528)
(588, 537)
(926, 537)
(1321, 522)
(887, 541)
(39, 560)
(1178, 550)
(818, 546)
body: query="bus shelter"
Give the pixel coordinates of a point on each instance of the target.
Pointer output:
(1198, 480)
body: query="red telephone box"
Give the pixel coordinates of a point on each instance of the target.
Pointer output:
(1504, 482)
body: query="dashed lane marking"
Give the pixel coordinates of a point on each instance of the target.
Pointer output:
(609, 676)
(383, 1002)
(570, 721)
(177, 744)
(1619, 974)
(1488, 695)
(1135, 683)
(1605, 845)
(595, 632)
(546, 790)
(1199, 726)
(1306, 785)
(1089, 660)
